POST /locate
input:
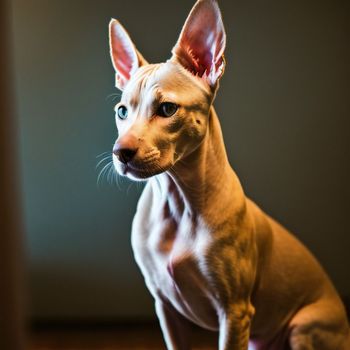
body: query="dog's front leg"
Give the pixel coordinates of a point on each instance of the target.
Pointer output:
(235, 328)
(174, 326)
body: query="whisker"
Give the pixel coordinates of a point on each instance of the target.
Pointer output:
(116, 178)
(102, 154)
(110, 174)
(139, 185)
(108, 171)
(128, 189)
(113, 96)
(104, 169)
(109, 157)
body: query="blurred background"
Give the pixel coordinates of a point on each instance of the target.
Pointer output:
(284, 107)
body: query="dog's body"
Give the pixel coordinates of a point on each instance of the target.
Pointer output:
(208, 254)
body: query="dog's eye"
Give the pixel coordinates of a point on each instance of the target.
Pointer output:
(167, 109)
(122, 112)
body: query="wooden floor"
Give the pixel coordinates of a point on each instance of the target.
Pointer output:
(110, 337)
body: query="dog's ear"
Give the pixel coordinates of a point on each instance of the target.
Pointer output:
(125, 57)
(200, 47)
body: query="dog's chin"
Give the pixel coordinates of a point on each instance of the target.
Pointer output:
(139, 172)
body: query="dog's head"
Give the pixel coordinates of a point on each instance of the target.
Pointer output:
(163, 113)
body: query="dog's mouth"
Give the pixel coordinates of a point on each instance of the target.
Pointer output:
(139, 170)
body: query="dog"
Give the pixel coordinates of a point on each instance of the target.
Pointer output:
(208, 254)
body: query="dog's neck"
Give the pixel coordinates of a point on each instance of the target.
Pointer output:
(203, 177)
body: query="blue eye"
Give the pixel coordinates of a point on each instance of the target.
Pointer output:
(122, 112)
(167, 109)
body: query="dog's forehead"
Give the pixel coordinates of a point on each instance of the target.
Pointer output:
(168, 81)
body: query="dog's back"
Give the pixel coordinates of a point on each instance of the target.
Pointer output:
(293, 289)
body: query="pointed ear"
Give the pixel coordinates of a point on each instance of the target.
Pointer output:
(200, 47)
(125, 57)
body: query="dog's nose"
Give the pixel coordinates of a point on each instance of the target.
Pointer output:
(124, 155)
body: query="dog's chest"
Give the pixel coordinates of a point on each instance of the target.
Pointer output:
(171, 254)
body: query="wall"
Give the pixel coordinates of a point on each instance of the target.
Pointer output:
(283, 103)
